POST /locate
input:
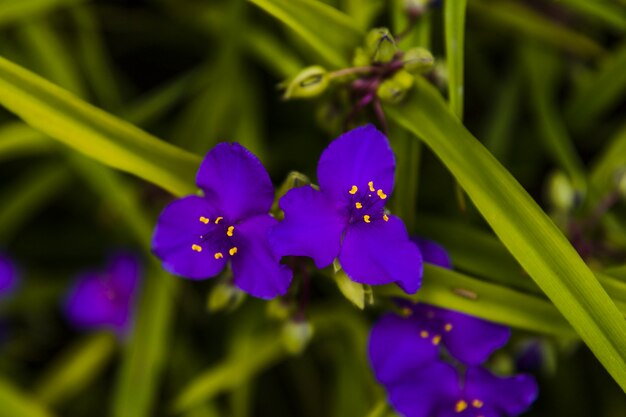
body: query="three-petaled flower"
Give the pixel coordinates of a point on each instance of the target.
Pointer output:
(196, 236)
(346, 218)
(105, 299)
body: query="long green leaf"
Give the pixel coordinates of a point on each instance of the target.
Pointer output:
(454, 28)
(14, 403)
(17, 139)
(330, 32)
(94, 132)
(604, 169)
(12, 11)
(607, 12)
(522, 226)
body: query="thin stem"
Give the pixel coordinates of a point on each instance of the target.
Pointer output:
(349, 71)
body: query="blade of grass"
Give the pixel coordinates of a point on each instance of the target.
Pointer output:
(13, 11)
(454, 33)
(17, 140)
(16, 403)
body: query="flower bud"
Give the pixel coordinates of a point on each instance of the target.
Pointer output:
(380, 45)
(296, 335)
(361, 58)
(278, 309)
(394, 89)
(418, 60)
(225, 296)
(309, 82)
(561, 194)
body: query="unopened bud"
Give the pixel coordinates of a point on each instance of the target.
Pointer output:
(225, 296)
(296, 336)
(394, 89)
(309, 82)
(380, 45)
(561, 194)
(418, 60)
(361, 58)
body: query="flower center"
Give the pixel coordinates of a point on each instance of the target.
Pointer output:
(218, 236)
(366, 204)
(430, 326)
(474, 405)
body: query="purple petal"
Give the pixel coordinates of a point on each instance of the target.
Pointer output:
(356, 158)
(178, 230)
(124, 270)
(433, 253)
(92, 302)
(472, 340)
(234, 179)
(312, 227)
(396, 348)
(422, 394)
(510, 395)
(484, 411)
(8, 275)
(256, 269)
(381, 253)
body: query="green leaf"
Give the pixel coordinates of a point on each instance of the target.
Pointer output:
(527, 232)
(94, 132)
(12, 11)
(607, 12)
(351, 290)
(15, 403)
(454, 31)
(332, 34)
(18, 139)
(604, 169)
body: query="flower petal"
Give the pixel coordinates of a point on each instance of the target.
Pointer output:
(178, 229)
(312, 227)
(356, 158)
(396, 348)
(124, 271)
(234, 179)
(433, 253)
(8, 275)
(511, 395)
(422, 394)
(472, 340)
(256, 269)
(381, 253)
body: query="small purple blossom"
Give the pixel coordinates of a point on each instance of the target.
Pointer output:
(346, 217)
(196, 236)
(8, 275)
(105, 299)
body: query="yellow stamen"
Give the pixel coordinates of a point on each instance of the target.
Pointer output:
(477, 403)
(232, 251)
(197, 248)
(371, 185)
(460, 406)
(353, 190)
(436, 340)
(385, 217)
(358, 205)
(447, 327)
(381, 194)
(218, 219)
(423, 334)
(229, 232)
(204, 220)
(366, 218)
(218, 255)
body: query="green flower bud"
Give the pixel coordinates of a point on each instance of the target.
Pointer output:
(561, 194)
(296, 335)
(310, 82)
(394, 89)
(380, 45)
(418, 60)
(225, 297)
(361, 58)
(278, 309)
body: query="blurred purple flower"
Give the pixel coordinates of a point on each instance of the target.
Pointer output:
(436, 391)
(346, 218)
(8, 275)
(196, 236)
(105, 299)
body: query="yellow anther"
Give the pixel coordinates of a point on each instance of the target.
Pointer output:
(232, 251)
(447, 327)
(436, 340)
(366, 218)
(423, 334)
(197, 248)
(381, 194)
(218, 219)
(477, 403)
(460, 406)
(371, 185)
(229, 232)
(358, 205)
(353, 190)
(385, 217)
(218, 255)
(204, 220)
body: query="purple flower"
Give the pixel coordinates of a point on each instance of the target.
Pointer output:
(8, 276)
(105, 298)
(196, 236)
(432, 252)
(346, 217)
(436, 391)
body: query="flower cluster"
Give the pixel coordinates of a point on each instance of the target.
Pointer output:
(344, 219)
(405, 352)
